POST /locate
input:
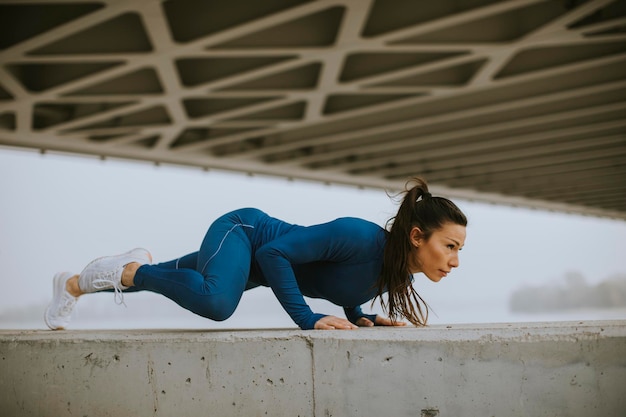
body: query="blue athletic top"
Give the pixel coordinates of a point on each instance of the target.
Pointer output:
(339, 261)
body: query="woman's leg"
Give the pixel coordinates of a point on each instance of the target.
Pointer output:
(185, 262)
(209, 282)
(213, 288)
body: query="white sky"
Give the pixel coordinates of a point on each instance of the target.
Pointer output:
(57, 212)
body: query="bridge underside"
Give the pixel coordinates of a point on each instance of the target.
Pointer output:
(514, 102)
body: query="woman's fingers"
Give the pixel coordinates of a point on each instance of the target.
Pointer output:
(384, 321)
(334, 323)
(364, 322)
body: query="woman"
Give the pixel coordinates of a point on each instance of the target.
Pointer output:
(347, 261)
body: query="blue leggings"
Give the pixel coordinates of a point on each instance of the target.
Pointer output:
(209, 282)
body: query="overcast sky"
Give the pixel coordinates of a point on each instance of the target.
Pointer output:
(57, 212)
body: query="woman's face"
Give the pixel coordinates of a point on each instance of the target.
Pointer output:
(436, 256)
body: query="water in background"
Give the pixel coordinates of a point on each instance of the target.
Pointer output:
(260, 309)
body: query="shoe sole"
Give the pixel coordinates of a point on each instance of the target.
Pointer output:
(148, 257)
(58, 284)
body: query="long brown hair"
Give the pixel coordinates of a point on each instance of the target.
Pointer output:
(418, 208)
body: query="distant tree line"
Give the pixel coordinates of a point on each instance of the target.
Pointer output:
(573, 293)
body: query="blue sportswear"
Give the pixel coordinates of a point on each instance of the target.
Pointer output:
(339, 261)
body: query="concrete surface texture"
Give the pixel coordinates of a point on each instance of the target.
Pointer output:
(538, 369)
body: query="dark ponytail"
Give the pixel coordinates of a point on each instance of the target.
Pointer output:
(418, 208)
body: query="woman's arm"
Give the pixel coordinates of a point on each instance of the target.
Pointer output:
(338, 241)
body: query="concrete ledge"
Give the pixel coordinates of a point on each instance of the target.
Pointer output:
(535, 369)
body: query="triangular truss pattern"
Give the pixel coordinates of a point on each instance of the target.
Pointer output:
(510, 101)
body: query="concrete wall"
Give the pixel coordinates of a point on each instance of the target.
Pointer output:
(549, 369)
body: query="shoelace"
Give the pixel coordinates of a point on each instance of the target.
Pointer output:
(105, 282)
(67, 305)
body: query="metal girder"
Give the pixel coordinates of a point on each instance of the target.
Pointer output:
(506, 101)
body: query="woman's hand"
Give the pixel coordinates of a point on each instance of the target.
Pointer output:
(334, 323)
(380, 321)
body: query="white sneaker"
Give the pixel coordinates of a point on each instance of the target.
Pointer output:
(106, 273)
(59, 311)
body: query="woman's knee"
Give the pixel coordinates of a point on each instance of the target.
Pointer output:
(217, 309)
